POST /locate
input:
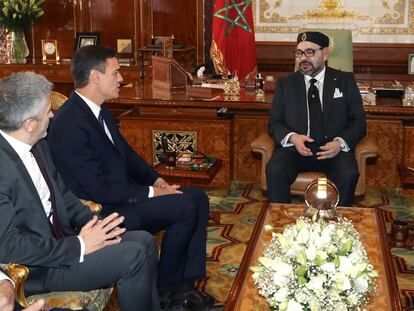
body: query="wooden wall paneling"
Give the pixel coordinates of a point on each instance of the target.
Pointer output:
(214, 139)
(380, 58)
(82, 16)
(169, 19)
(181, 18)
(145, 23)
(247, 166)
(114, 20)
(58, 23)
(388, 135)
(200, 32)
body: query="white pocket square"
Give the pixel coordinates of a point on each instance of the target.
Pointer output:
(338, 93)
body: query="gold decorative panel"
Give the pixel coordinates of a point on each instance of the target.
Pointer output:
(369, 21)
(180, 141)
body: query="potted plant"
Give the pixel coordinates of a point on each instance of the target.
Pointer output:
(17, 16)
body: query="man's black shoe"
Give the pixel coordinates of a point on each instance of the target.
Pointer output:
(193, 300)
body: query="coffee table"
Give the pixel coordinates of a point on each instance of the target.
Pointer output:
(244, 294)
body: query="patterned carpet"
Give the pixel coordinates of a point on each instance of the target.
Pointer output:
(233, 215)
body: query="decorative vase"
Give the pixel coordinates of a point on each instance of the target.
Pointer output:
(19, 47)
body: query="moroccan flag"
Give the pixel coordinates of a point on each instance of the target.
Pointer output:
(233, 49)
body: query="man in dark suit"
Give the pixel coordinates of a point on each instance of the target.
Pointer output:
(316, 120)
(98, 164)
(45, 227)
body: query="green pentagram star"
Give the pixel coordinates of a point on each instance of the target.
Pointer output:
(240, 7)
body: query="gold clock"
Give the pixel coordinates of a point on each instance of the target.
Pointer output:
(50, 52)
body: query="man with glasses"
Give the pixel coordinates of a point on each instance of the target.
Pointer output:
(316, 120)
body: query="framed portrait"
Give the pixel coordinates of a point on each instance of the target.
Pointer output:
(86, 38)
(124, 46)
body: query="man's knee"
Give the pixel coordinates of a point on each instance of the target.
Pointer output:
(198, 195)
(138, 249)
(274, 169)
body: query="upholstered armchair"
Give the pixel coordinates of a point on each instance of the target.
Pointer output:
(96, 300)
(56, 100)
(364, 150)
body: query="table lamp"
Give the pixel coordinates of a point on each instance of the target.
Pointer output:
(321, 197)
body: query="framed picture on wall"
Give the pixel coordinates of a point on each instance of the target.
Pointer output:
(411, 64)
(86, 38)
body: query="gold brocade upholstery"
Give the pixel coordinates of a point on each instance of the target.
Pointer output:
(95, 300)
(57, 99)
(265, 146)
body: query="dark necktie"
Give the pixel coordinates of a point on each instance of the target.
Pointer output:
(101, 119)
(57, 230)
(315, 113)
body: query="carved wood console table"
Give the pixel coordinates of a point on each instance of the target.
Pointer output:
(228, 136)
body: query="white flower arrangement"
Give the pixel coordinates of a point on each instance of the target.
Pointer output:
(315, 265)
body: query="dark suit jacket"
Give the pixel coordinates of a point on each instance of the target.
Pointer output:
(91, 166)
(343, 116)
(25, 232)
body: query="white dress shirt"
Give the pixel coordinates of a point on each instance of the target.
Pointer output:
(96, 109)
(23, 150)
(4, 276)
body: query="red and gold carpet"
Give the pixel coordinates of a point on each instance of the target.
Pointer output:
(233, 214)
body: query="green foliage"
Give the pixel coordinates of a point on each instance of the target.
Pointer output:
(17, 15)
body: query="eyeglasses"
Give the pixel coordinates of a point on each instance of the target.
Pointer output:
(307, 52)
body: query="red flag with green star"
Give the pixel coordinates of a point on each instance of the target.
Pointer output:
(233, 49)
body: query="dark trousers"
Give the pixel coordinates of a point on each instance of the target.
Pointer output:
(184, 218)
(286, 163)
(131, 265)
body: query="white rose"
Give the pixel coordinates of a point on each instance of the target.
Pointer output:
(314, 305)
(316, 283)
(341, 307)
(361, 285)
(353, 299)
(321, 254)
(334, 294)
(340, 233)
(342, 282)
(268, 263)
(281, 294)
(303, 236)
(345, 265)
(328, 268)
(280, 279)
(311, 253)
(294, 306)
(285, 269)
(302, 296)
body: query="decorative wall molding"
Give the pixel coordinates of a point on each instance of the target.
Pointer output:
(369, 21)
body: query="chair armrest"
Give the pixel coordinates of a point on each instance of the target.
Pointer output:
(93, 206)
(19, 274)
(265, 145)
(364, 150)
